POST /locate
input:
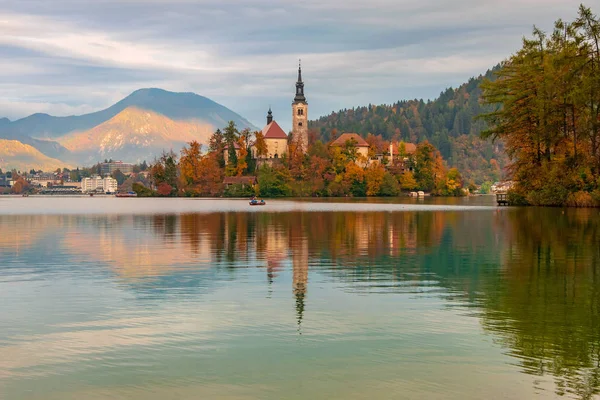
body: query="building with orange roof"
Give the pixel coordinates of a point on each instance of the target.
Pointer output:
(275, 139)
(355, 139)
(396, 148)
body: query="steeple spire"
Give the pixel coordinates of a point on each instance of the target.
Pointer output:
(269, 116)
(299, 86)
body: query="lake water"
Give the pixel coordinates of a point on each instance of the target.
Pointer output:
(213, 299)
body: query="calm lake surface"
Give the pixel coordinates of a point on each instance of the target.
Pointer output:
(213, 299)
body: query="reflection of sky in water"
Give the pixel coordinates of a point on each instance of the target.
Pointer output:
(284, 305)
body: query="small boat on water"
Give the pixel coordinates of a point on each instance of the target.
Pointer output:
(255, 202)
(128, 194)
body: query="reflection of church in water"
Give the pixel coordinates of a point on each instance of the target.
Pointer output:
(278, 246)
(300, 275)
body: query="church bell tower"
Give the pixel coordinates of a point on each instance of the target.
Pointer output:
(300, 114)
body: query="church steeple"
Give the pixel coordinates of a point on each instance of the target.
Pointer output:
(300, 114)
(299, 86)
(269, 116)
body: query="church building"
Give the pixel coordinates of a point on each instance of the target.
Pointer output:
(276, 139)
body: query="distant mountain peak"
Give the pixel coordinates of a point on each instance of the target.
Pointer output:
(134, 135)
(19, 156)
(184, 106)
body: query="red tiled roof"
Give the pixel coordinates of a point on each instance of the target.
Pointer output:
(245, 180)
(273, 131)
(235, 146)
(344, 137)
(410, 148)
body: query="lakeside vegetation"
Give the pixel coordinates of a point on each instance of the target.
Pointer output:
(447, 122)
(323, 170)
(546, 101)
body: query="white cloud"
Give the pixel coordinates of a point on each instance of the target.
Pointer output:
(68, 56)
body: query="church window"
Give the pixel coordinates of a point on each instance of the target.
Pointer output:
(299, 123)
(300, 111)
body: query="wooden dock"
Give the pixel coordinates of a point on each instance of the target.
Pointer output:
(502, 199)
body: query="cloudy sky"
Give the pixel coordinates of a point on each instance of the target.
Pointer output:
(69, 57)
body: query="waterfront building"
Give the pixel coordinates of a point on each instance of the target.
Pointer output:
(244, 181)
(99, 184)
(402, 154)
(362, 147)
(108, 168)
(6, 181)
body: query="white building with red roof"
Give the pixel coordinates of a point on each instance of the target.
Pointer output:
(354, 139)
(275, 138)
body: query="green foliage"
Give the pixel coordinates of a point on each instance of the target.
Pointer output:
(231, 136)
(142, 191)
(274, 181)
(164, 173)
(516, 199)
(390, 186)
(486, 187)
(546, 110)
(217, 146)
(425, 167)
(238, 190)
(446, 122)
(119, 176)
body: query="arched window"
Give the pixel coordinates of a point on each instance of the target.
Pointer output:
(299, 123)
(300, 111)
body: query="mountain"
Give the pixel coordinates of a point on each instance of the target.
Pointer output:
(22, 157)
(176, 106)
(133, 135)
(447, 122)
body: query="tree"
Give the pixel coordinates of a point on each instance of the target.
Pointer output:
(164, 170)
(231, 136)
(545, 108)
(454, 183)
(374, 178)
(119, 176)
(164, 189)
(189, 166)
(244, 156)
(425, 166)
(260, 145)
(389, 186)
(354, 179)
(274, 181)
(210, 176)
(217, 146)
(407, 181)
(20, 185)
(141, 190)
(350, 150)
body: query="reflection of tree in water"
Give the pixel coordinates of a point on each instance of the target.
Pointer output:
(530, 274)
(546, 304)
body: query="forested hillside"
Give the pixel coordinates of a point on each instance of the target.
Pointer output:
(447, 122)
